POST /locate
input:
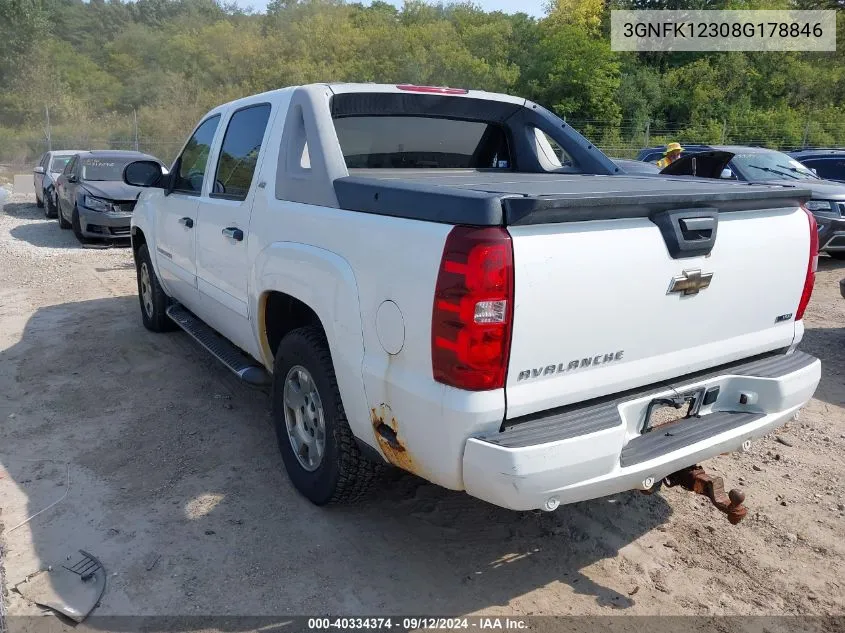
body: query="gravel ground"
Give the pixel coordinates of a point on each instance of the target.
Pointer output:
(176, 484)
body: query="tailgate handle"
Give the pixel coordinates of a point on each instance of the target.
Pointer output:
(688, 232)
(694, 229)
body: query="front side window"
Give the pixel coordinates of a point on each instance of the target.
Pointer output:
(830, 168)
(192, 162)
(239, 152)
(417, 142)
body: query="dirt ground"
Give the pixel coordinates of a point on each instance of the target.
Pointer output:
(176, 484)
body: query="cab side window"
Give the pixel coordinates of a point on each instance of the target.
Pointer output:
(239, 152)
(191, 164)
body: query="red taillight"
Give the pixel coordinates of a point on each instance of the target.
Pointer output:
(473, 309)
(433, 89)
(811, 266)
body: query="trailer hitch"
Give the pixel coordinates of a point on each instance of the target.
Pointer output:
(696, 480)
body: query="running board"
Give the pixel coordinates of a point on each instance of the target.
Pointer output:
(233, 358)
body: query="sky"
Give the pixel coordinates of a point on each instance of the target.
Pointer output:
(531, 7)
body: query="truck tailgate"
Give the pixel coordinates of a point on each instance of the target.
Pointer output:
(601, 305)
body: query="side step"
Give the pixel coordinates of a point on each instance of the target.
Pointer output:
(241, 364)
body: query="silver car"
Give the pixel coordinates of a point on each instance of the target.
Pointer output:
(49, 166)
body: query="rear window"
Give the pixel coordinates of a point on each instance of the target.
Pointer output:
(416, 142)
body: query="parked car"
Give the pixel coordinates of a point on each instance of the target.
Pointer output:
(425, 284)
(48, 169)
(91, 196)
(757, 164)
(825, 163)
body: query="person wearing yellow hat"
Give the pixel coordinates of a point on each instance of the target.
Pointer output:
(670, 155)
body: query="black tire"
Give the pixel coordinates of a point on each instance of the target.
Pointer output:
(63, 224)
(49, 207)
(837, 254)
(154, 316)
(77, 228)
(343, 475)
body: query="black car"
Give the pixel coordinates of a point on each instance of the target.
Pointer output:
(826, 163)
(92, 197)
(761, 165)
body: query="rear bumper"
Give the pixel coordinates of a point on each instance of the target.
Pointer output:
(594, 450)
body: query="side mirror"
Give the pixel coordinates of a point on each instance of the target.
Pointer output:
(70, 178)
(144, 173)
(726, 174)
(39, 170)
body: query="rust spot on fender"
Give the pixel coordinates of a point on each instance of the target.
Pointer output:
(386, 430)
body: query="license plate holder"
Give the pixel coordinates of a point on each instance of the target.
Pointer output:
(662, 412)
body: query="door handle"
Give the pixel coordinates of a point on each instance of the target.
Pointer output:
(233, 233)
(186, 222)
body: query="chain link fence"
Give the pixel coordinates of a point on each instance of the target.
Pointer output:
(617, 139)
(626, 139)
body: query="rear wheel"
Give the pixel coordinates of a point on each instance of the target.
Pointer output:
(154, 301)
(318, 448)
(63, 224)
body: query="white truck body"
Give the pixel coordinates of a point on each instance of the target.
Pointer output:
(596, 331)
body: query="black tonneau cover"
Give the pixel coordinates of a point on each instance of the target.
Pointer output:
(494, 197)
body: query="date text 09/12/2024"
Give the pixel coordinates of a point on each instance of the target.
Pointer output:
(418, 623)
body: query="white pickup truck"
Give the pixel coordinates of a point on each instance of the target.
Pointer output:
(458, 283)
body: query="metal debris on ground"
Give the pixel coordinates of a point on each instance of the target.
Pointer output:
(73, 589)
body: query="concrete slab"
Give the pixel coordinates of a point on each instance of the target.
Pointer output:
(23, 183)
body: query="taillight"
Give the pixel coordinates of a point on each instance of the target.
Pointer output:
(473, 309)
(810, 279)
(433, 89)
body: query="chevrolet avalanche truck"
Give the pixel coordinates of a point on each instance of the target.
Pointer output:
(459, 284)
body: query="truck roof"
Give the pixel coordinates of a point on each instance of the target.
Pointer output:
(347, 88)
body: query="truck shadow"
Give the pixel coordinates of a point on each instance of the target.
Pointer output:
(178, 488)
(827, 344)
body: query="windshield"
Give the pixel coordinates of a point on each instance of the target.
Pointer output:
(104, 168)
(771, 166)
(58, 163)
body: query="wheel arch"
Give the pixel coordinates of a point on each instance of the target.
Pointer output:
(294, 285)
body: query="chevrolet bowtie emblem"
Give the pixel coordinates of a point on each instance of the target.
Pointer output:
(690, 282)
